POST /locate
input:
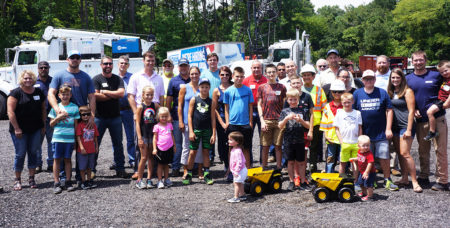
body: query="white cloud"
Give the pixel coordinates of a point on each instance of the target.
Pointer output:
(341, 3)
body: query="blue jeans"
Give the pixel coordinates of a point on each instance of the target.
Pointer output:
(27, 144)
(128, 125)
(48, 135)
(222, 145)
(333, 151)
(178, 135)
(114, 125)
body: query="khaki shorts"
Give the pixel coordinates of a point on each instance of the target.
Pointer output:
(272, 135)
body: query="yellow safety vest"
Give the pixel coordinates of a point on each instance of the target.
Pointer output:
(326, 125)
(320, 100)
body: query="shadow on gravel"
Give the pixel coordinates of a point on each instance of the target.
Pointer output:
(105, 183)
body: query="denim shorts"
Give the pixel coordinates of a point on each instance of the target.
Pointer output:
(62, 150)
(86, 161)
(380, 149)
(367, 183)
(401, 132)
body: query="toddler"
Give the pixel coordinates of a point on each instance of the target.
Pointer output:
(365, 163)
(237, 166)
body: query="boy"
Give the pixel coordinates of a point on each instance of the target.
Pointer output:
(294, 119)
(337, 88)
(202, 127)
(238, 100)
(270, 102)
(444, 99)
(366, 168)
(63, 140)
(348, 124)
(87, 148)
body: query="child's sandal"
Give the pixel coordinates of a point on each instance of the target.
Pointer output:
(17, 185)
(32, 182)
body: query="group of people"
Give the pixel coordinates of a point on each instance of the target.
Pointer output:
(176, 120)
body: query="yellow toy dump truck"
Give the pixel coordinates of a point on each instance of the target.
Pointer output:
(332, 186)
(260, 181)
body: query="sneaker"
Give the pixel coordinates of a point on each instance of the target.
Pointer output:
(91, 184)
(375, 185)
(423, 182)
(361, 194)
(396, 172)
(243, 198)
(160, 184)
(234, 200)
(291, 186)
(366, 198)
(297, 182)
(69, 186)
(168, 183)
(440, 187)
(207, 178)
(63, 184)
(92, 175)
(305, 186)
(84, 186)
(57, 188)
(141, 184)
(431, 136)
(271, 159)
(150, 183)
(389, 185)
(121, 174)
(188, 179)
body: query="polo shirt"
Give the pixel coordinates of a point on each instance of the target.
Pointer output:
(173, 90)
(254, 84)
(140, 79)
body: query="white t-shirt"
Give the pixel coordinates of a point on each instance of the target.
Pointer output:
(348, 124)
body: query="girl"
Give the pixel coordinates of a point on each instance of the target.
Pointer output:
(237, 166)
(163, 146)
(145, 120)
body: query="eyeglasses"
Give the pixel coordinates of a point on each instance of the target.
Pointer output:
(44, 68)
(369, 79)
(224, 75)
(322, 66)
(85, 114)
(107, 64)
(77, 57)
(337, 91)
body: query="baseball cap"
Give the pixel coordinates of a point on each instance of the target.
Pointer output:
(168, 60)
(204, 80)
(368, 73)
(337, 85)
(332, 51)
(43, 63)
(73, 52)
(183, 61)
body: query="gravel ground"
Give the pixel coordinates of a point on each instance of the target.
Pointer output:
(117, 203)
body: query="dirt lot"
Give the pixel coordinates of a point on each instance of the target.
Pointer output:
(116, 203)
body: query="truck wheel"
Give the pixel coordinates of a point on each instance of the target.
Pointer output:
(2, 107)
(275, 185)
(346, 194)
(256, 189)
(247, 187)
(321, 195)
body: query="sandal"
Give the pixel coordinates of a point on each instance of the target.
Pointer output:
(417, 188)
(401, 183)
(32, 182)
(17, 185)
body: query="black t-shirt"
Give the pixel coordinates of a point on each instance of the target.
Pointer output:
(201, 119)
(28, 110)
(293, 131)
(148, 120)
(109, 108)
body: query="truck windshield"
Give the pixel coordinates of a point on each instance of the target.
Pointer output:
(27, 57)
(279, 54)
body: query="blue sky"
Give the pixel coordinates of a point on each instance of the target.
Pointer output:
(341, 3)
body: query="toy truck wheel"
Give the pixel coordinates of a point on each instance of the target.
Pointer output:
(321, 195)
(247, 187)
(256, 189)
(275, 185)
(346, 194)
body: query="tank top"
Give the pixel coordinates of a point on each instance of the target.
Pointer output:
(187, 97)
(148, 120)
(202, 113)
(400, 113)
(220, 104)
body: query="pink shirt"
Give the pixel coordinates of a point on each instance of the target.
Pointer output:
(139, 80)
(165, 141)
(237, 161)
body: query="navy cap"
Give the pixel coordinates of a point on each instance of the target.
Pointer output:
(333, 51)
(204, 80)
(183, 61)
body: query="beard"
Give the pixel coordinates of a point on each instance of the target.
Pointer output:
(382, 69)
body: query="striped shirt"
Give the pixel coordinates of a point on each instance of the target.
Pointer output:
(64, 131)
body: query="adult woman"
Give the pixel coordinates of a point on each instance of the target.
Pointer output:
(218, 94)
(187, 91)
(403, 125)
(26, 112)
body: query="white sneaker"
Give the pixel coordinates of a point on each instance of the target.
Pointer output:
(168, 183)
(160, 184)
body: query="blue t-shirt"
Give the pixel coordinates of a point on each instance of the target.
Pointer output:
(373, 112)
(80, 83)
(214, 79)
(173, 90)
(426, 89)
(238, 100)
(124, 100)
(64, 131)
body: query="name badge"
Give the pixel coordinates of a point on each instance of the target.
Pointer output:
(428, 82)
(104, 84)
(252, 86)
(36, 98)
(37, 85)
(278, 93)
(446, 88)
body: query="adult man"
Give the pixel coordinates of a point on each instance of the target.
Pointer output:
(83, 93)
(43, 83)
(109, 88)
(291, 71)
(281, 73)
(425, 85)
(253, 82)
(321, 66)
(383, 72)
(125, 110)
(173, 90)
(329, 75)
(212, 73)
(167, 74)
(376, 112)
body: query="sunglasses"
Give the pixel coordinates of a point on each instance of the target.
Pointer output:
(224, 74)
(107, 64)
(337, 91)
(281, 69)
(85, 114)
(322, 66)
(44, 68)
(77, 57)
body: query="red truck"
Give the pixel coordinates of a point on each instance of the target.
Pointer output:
(368, 62)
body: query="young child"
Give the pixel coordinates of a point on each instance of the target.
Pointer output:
(145, 120)
(63, 140)
(444, 99)
(163, 146)
(237, 166)
(365, 163)
(348, 124)
(294, 120)
(202, 127)
(87, 148)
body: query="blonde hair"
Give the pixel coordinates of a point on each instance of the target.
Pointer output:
(84, 109)
(65, 89)
(161, 111)
(363, 139)
(347, 96)
(147, 88)
(29, 72)
(293, 93)
(238, 137)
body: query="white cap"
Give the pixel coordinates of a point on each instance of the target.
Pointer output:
(337, 85)
(368, 73)
(308, 68)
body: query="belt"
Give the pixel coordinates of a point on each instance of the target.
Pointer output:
(125, 108)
